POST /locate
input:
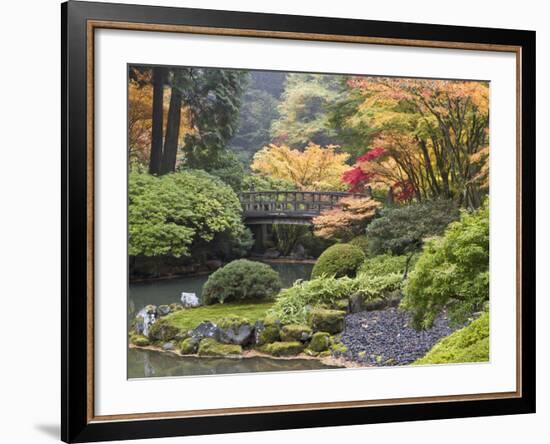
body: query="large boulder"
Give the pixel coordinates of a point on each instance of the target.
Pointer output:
(206, 329)
(145, 318)
(283, 348)
(140, 341)
(330, 321)
(266, 333)
(162, 331)
(214, 264)
(295, 332)
(320, 342)
(272, 253)
(236, 330)
(298, 252)
(189, 346)
(211, 347)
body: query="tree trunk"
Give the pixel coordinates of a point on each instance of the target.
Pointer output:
(172, 130)
(155, 159)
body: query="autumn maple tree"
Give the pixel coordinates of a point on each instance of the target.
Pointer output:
(346, 221)
(316, 168)
(427, 138)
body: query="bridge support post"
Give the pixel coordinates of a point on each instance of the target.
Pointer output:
(260, 236)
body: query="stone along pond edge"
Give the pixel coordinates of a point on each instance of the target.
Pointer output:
(370, 336)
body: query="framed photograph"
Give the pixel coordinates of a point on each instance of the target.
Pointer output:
(276, 221)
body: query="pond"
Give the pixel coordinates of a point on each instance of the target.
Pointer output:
(167, 291)
(149, 363)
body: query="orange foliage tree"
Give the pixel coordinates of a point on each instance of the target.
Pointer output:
(431, 133)
(316, 168)
(140, 105)
(348, 220)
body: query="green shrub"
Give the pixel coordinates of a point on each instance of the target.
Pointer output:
(256, 182)
(241, 280)
(382, 286)
(170, 214)
(470, 344)
(452, 272)
(361, 242)
(384, 264)
(339, 260)
(402, 229)
(293, 304)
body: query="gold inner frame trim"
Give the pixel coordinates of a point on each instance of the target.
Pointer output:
(92, 25)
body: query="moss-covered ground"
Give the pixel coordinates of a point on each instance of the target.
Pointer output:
(469, 344)
(190, 318)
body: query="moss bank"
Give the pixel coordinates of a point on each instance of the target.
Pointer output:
(469, 344)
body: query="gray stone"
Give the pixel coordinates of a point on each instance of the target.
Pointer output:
(146, 317)
(214, 264)
(239, 334)
(298, 252)
(356, 304)
(206, 329)
(272, 254)
(168, 346)
(190, 300)
(163, 310)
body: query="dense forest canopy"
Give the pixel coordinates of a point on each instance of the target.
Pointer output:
(405, 139)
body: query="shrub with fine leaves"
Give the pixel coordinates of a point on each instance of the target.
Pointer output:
(452, 272)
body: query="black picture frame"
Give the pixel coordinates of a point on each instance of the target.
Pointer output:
(76, 423)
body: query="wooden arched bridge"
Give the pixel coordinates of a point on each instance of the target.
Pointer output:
(288, 207)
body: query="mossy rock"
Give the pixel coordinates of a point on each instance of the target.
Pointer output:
(320, 341)
(140, 341)
(164, 310)
(330, 321)
(163, 331)
(211, 347)
(232, 321)
(176, 307)
(236, 330)
(295, 332)
(189, 346)
(341, 304)
(469, 344)
(268, 334)
(283, 348)
(338, 348)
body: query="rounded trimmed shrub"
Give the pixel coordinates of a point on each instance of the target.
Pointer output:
(338, 261)
(361, 242)
(241, 280)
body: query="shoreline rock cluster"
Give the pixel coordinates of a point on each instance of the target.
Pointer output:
(233, 334)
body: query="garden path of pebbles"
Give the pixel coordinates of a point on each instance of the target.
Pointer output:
(385, 337)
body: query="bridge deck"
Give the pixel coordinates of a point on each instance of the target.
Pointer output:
(288, 207)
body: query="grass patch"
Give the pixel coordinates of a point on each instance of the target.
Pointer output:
(189, 318)
(469, 344)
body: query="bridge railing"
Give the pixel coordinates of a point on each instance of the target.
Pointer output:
(307, 203)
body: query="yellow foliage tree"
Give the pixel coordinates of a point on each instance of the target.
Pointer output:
(314, 169)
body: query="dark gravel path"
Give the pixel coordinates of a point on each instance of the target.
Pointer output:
(385, 337)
